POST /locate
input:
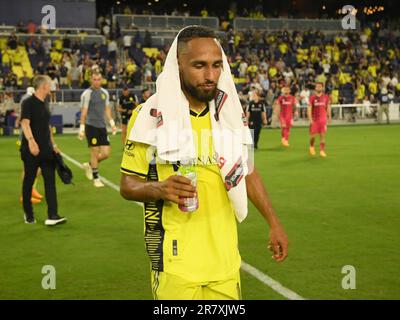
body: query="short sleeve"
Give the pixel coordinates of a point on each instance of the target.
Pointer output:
(107, 98)
(85, 98)
(264, 108)
(26, 111)
(136, 156)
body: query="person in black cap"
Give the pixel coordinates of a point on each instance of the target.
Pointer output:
(37, 151)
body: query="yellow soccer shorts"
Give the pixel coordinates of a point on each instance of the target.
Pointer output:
(171, 287)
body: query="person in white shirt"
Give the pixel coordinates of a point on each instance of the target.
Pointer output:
(304, 99)
(127, 40)
(53, 88)
(243, 69)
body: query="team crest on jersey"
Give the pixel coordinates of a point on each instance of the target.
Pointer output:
(103, 96)
(129, 147)
(94, 141)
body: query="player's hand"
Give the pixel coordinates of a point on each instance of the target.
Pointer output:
(329, 120)
(278, 243)
(33, 147)
(114, 130)
(81, 134)
(174, 187)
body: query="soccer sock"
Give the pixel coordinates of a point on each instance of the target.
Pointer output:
(95, 172)
(312, 141)
(287, 133)
(322, 146)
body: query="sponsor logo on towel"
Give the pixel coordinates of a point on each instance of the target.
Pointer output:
(234, 176)
(219, 99)
(158, 115)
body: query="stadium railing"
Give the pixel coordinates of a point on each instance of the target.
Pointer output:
(76, 31)
(163, 22)
(84, 38)
(276, 24)
(159, 38)
(74, 95)
(8, 29)
(89, 31)
(340, 108)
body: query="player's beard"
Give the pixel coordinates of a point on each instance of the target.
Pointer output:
(198, 93)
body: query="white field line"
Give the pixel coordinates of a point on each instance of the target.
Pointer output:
(259, 275)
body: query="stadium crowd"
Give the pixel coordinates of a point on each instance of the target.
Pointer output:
(356, 67)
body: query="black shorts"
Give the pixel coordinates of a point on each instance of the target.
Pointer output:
(125, 118)
(96, 136)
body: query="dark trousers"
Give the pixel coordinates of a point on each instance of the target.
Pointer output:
(256, 129)
(31, 165)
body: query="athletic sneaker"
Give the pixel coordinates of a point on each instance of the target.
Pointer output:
(88, 170)
(29, 219)
(285, 143)
(312, 151)
(323, 154)
(97, 183)
(33, 200)
(54, 220)
(36, 194)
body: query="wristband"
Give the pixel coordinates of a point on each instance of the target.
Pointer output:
(112, 123)
(82, 128)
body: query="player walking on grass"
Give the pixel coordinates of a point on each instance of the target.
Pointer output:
(37, 151)
(319, 114)
(36, 196)
(193, 255)
(95, 103)
(286, 106)
(256, 113)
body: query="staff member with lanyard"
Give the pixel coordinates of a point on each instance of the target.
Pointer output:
(37, 151)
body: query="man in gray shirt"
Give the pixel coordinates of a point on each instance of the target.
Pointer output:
(95, 103)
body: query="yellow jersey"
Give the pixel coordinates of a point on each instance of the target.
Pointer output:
(198, 246)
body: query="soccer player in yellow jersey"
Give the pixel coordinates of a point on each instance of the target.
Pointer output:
(193, 255)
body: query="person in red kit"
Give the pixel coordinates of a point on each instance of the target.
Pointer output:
(286, 104)
(319, 114)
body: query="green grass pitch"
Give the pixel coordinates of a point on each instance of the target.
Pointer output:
(342, 210)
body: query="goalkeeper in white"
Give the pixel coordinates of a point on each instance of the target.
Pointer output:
(95, 103)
